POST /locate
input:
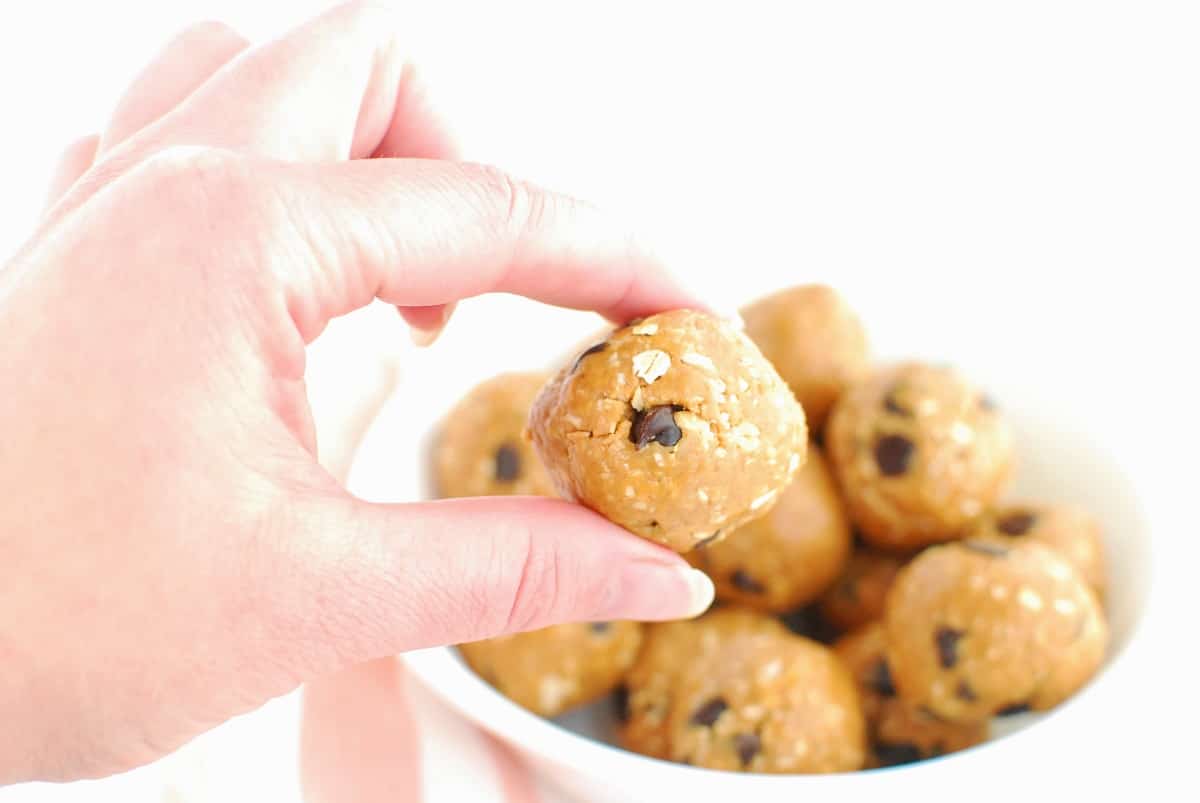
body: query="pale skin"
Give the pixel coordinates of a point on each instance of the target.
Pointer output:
(172, 553)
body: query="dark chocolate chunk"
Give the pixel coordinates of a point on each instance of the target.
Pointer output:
(655, 424)
(744, 582)
(893, 453)
(1017, 523)
(601, 627)
(621, 704)
(809, 622)
(881, 679)
(965, 693)
(893, 754)
(985, 548)
(747, 746)
(1015, 708)
(508, 463)
(596, 349)
(946, 641)
(710, 712)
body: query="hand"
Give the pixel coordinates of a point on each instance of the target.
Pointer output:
(171, 553)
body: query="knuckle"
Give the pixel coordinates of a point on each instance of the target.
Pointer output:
(538, 595)
(516, 206)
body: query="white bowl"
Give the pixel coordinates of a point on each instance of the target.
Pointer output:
(1058, 461)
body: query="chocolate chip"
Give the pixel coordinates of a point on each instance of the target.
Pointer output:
(965, 693)
(881, 679)
(893, 406)
(710, 712)
(747, 746)
(744, 582)
(655, 424)
(508, 463)
(600, 627)
(1017, 523)
(985, 548)
(893, 454)
(809, 622)
(987, 403)
(621, 704)
(1015, 708)
(946, 641)
(596, 349)
(893, 754)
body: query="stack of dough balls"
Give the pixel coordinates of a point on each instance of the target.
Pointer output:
(879, 601)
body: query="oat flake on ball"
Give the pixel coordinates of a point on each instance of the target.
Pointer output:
(675, 427)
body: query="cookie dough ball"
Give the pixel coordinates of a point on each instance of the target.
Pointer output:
(814, 340)
(557, 668)
(857, 596)
(1068, 530)
(779, 706)
(480, 448)
(900, 733)
(669, 649)
(920, 455)
(789, 556)
(975, 628)
(675, 428)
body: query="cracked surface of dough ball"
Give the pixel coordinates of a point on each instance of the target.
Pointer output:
(920, 455)
(857, 596)
(557, 668)
(1070, 531)
(675, 427)
(785, 705)
(789, 556)
(900, 732)
(815, 341)
(976, 628)
(480, 448)
(668, 650)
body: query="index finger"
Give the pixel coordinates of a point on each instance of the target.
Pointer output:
(425, 233)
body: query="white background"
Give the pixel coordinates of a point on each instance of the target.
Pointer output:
(1021, 178)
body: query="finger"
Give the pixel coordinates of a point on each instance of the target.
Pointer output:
(424, 233)
(73, 163)
(358, 738)
(427, 323)
(337, 87)
(371, 579)
(188, 60)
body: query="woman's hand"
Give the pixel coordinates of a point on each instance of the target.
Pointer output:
(171, 554)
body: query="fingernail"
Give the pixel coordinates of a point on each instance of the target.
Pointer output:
(702, 591)
(423, 338)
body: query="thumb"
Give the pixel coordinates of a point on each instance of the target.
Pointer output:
(382, 579)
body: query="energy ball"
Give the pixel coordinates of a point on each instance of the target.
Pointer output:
(555, 669)
(480, 449)
(857, 596)
(776, 706)
(675, 428)
(669, 648)
(789, 556)
(900, 733)
(1068, 530)
(814, 340)
(976, 628)
(920, 455)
